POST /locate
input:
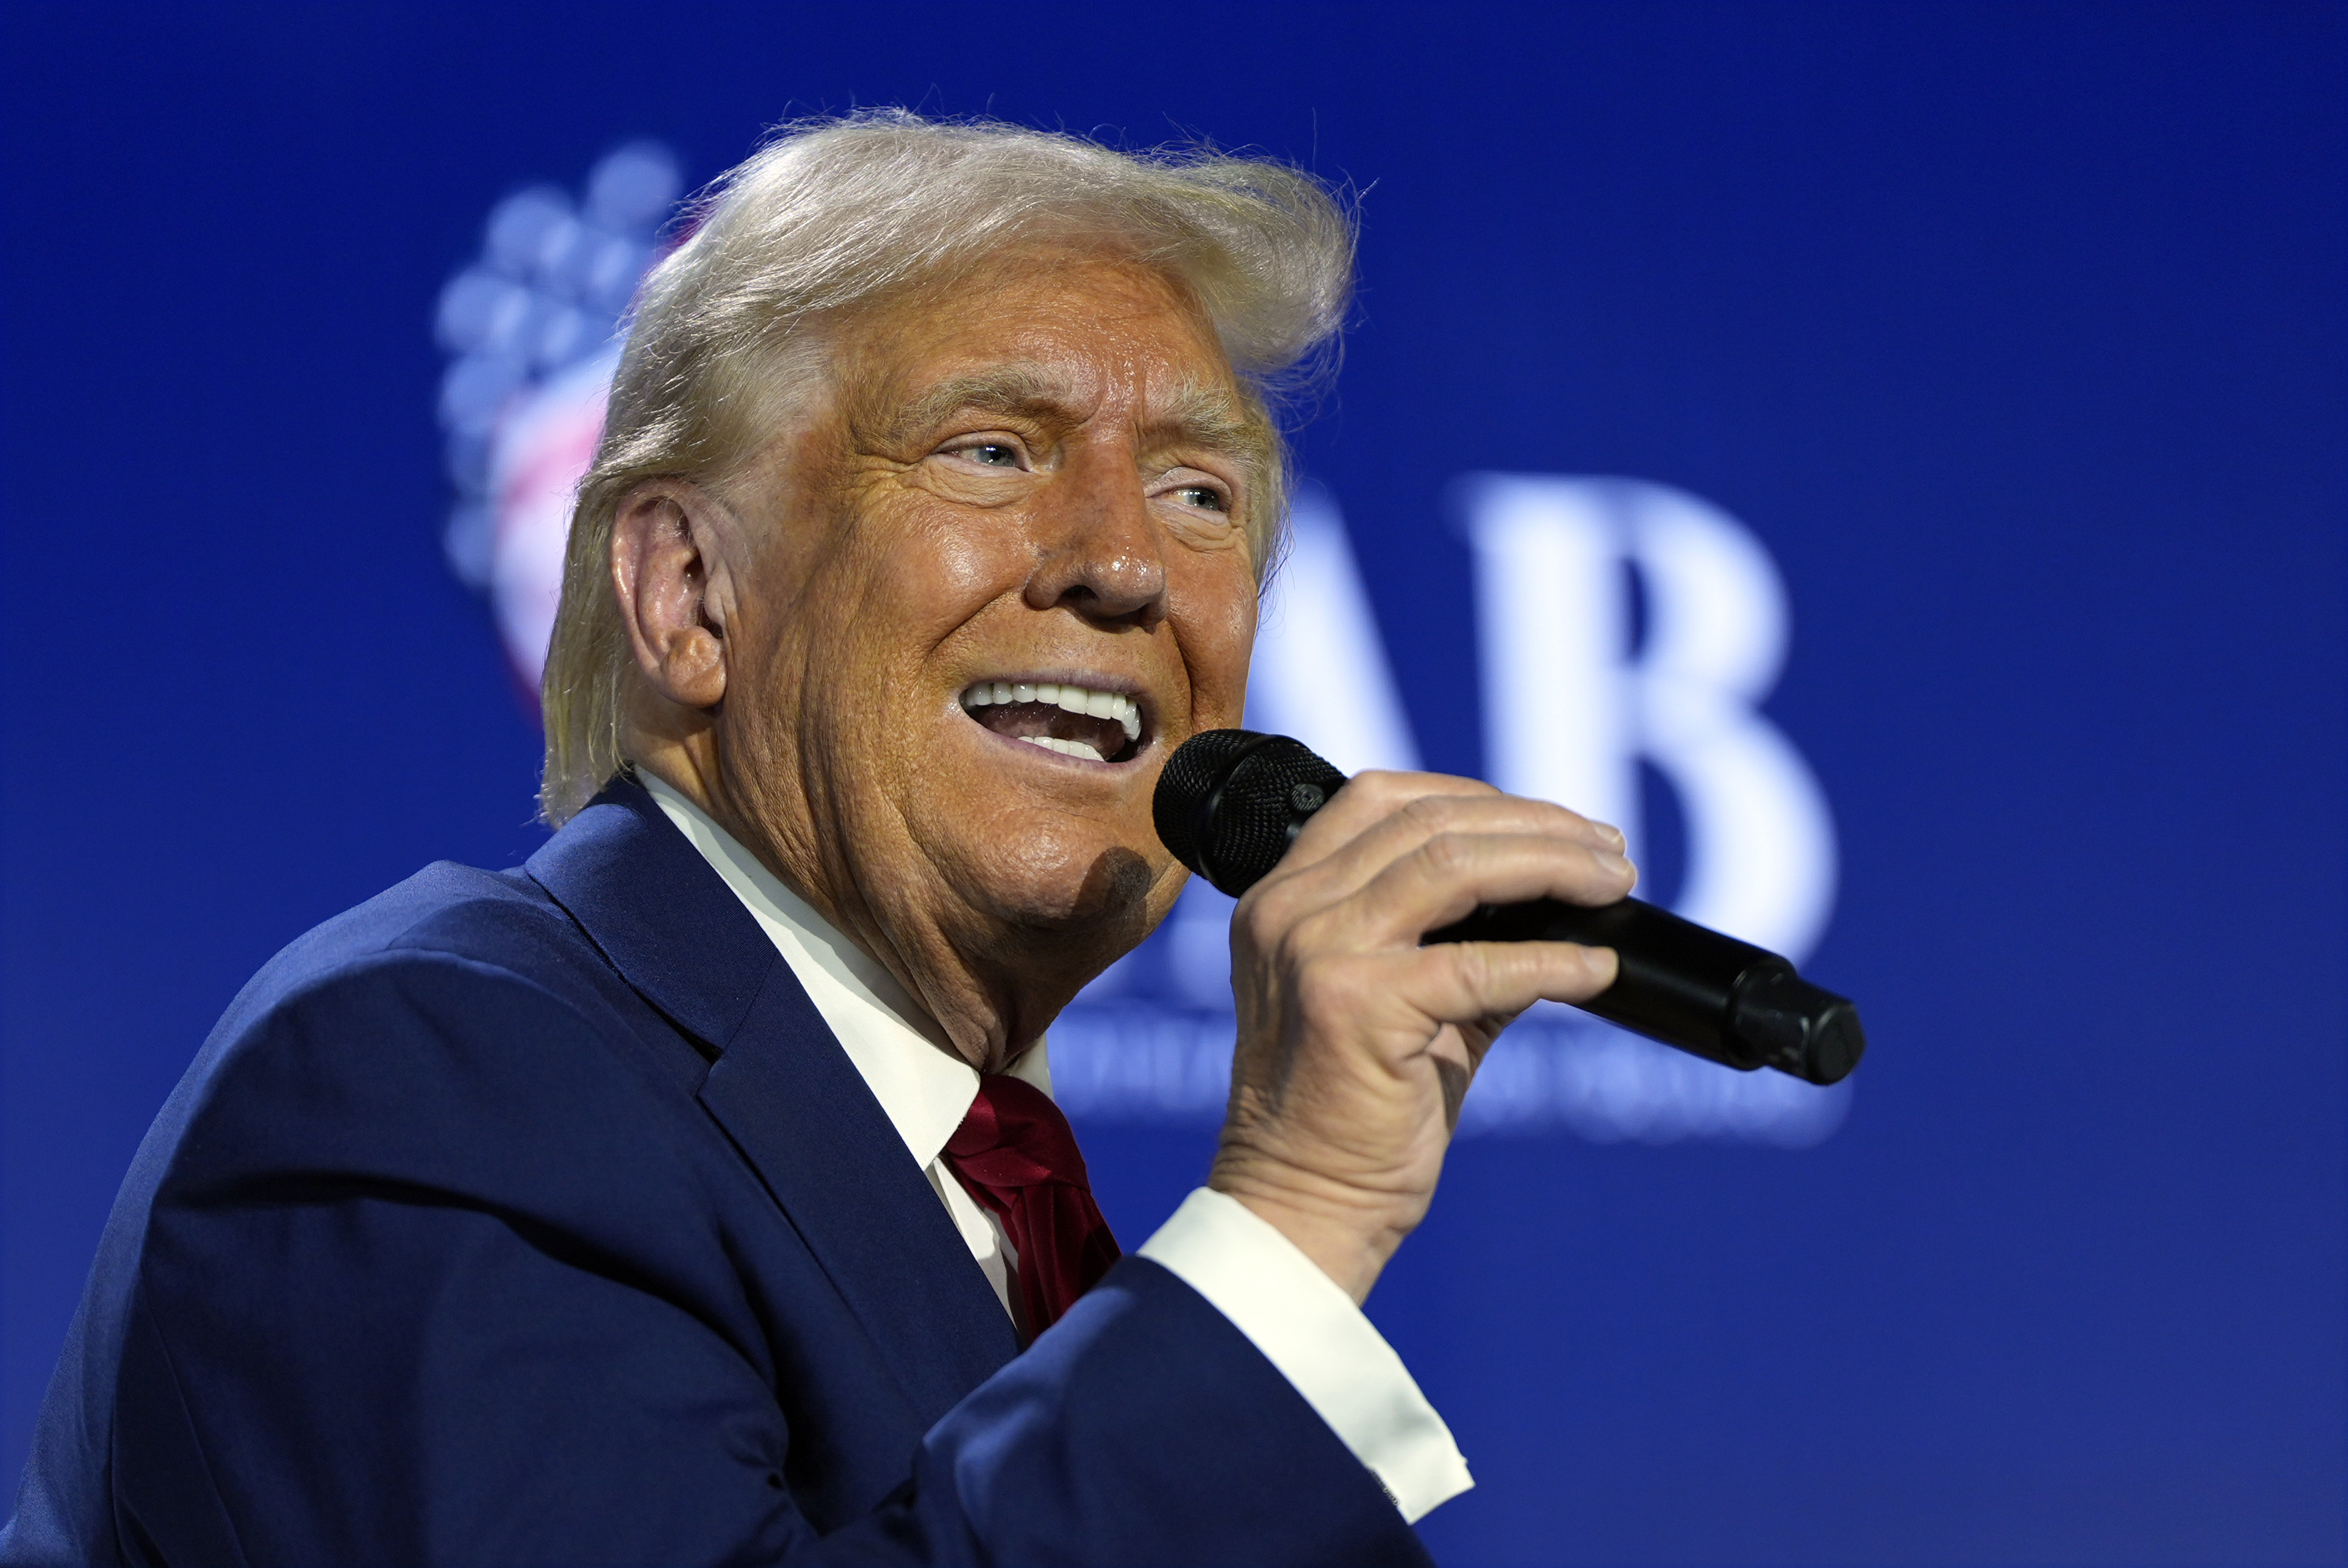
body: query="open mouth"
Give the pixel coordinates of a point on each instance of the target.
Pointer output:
(1082, 722)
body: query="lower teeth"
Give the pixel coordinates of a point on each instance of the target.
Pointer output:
(1065, 748)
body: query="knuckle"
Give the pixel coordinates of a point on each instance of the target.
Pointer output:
(1325, 987)
(1472, 963)
(1380, 790)
(1429, 814)
(1259, 919)
(1449, 854)
(1312, 932)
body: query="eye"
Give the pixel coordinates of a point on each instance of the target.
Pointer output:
(1205, 497)
(991, 454)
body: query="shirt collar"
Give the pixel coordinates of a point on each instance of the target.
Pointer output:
(904, 1057)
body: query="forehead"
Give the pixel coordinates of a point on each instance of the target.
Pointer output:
(1046, 328)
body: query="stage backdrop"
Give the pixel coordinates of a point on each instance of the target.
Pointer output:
(1890, 458)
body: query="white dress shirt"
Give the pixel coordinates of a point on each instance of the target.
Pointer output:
(1300, 1320)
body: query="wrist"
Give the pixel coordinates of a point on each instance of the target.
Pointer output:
(1350, 1246)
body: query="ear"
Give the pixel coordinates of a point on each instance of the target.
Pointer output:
(670, 573)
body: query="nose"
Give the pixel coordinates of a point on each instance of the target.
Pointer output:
(1098, 551)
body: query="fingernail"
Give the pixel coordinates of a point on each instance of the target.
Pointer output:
(1613, 834)
(1613, 862)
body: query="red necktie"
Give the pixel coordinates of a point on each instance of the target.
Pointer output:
(1016, 1156)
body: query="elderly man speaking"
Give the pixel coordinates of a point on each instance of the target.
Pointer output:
(693, 1193)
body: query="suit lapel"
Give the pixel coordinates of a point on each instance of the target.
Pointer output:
(801, 1113)
(784, 1092)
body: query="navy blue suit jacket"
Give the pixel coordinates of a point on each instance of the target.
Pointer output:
(537, 1217)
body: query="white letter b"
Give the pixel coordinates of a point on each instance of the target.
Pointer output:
(1568, 709)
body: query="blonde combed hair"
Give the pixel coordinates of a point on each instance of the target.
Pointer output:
(841, 214)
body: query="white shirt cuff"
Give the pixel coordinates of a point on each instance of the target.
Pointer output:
(1311, 1331)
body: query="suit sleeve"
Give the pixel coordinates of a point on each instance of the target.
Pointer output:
(426, 1284)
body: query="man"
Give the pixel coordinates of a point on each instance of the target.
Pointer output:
(692, 1195)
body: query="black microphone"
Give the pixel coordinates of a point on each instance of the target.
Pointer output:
(1231, 801)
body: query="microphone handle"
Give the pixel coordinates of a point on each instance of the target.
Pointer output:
(1689, 987)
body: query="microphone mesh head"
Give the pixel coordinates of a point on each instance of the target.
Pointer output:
(1255, 818)
(1192, 776)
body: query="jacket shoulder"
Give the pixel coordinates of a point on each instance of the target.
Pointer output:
(468, 984)
(451, 1068)
(503, 920)
(456, 1032)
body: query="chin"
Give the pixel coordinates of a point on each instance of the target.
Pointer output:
(1084, 886)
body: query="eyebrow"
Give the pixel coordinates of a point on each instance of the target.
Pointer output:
(1004, 388)
(1195, 413)
(1214, 418)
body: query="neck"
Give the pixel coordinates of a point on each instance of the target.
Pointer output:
(990, 1017)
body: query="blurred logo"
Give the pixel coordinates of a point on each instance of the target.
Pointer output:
(1623, 627)
(530, 329)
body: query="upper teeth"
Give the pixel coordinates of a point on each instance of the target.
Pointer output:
(1072, 699)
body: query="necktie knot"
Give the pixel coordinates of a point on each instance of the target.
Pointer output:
(1016, 1156)
(1017, 1135)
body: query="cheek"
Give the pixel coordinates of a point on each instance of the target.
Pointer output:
(868, 616)
(1215, 610)
(934, 574)
(965, 567)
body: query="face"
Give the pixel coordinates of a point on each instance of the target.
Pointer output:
(995, 582)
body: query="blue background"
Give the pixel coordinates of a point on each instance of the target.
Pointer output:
(2015, 331)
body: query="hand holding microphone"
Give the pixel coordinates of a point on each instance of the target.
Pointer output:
(1231, 802)
(1388, 928)
(1357, 1041)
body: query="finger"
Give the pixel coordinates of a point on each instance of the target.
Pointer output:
(1463, 983)
(1369, 798)
(1415, 821)
(1447, 876)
